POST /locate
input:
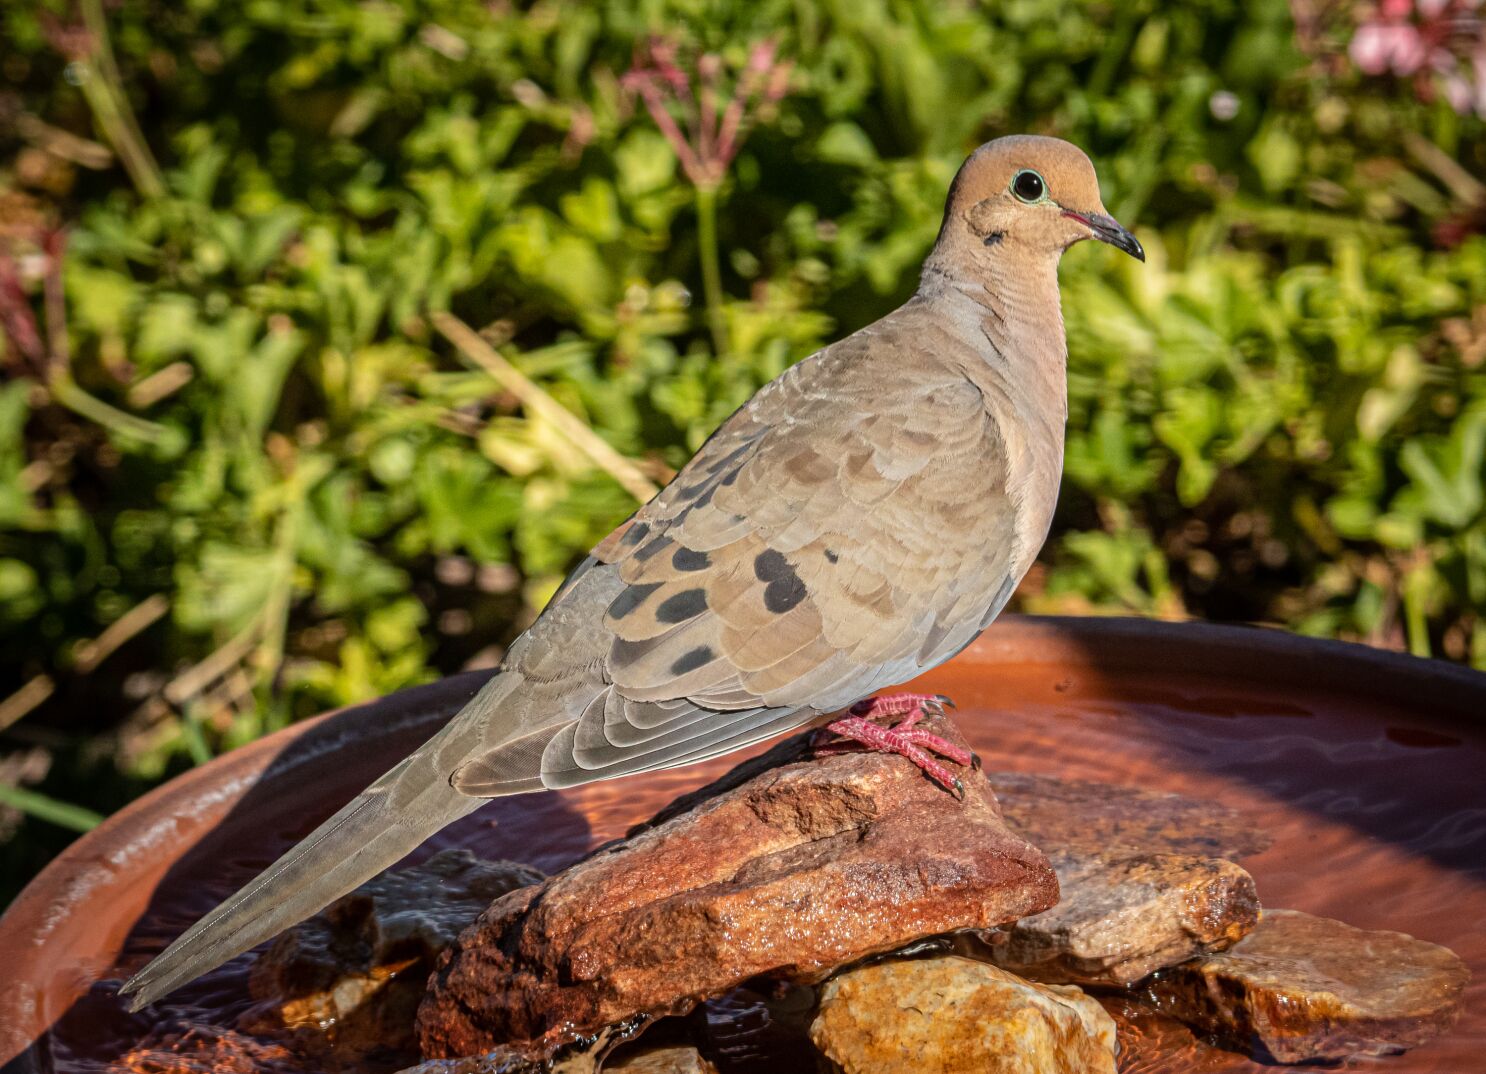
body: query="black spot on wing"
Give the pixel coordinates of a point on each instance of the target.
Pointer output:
(832, 557)
(783, 589)
(780, 597)
(682, 606)
(729, 459)
(653, 549)
(685, 559)
(631, 599)
(691, 660)
(635, 534)
(771, 566)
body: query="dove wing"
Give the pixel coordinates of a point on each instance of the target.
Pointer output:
(850, 527)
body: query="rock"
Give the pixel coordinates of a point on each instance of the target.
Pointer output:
(1079, 818)
(951, 1014)
(205, 1049)
(556, 1054)
(672, 1060)
(346, 983)
(787, 867)
(1144, 884)
(1120, 919)
(1306, 987)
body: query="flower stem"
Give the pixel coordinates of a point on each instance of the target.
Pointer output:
(103, 88)
(706, 194)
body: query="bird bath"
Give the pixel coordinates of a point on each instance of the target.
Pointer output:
(1365, 767)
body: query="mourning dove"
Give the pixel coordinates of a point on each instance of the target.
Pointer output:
(862, 518)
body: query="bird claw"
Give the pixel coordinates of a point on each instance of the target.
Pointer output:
(904, 738)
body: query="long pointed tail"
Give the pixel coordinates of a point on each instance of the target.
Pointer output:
(379, 826)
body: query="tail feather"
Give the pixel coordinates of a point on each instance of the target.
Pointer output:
(383, 823)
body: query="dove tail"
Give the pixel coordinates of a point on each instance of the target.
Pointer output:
(383, 823)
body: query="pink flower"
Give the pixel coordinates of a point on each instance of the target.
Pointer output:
(713, 134)
(1437, 43)
(1381, 48)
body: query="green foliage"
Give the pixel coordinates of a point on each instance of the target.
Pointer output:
(1281, 417)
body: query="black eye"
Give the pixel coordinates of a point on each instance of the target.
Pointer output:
(1028, 186)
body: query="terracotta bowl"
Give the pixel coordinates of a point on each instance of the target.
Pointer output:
(68, 927)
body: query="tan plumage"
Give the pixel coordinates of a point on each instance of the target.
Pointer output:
(862, 518)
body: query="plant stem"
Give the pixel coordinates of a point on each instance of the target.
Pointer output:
(43, 807)
(103, 88)
(65, 392)
(711, 268)
(538, 402)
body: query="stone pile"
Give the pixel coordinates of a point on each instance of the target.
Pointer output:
(789, 868)
(842, 910)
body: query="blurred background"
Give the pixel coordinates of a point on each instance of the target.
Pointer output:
(335, 332)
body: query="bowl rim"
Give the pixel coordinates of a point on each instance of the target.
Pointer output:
(1100, 643)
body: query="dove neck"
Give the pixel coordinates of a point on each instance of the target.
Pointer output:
(1008, 311)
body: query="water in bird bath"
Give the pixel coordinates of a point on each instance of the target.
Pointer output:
(1375, 805)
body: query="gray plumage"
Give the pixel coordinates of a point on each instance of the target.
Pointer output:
(861, 519)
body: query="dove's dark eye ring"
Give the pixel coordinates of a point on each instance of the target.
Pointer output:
(1028, 186)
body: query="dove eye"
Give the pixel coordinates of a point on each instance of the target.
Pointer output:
(1028, 185)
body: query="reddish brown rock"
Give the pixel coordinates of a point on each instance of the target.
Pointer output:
(782, 869)
(1078, 818)
(1120, 919)
(1306, 987)
(344, 986)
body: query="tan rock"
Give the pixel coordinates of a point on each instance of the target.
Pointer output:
(554, 1055)
(1120, 919)
(951, 1014)
(781, 869)
(346, 983)
(1308, 987)
(1144, 884)
(677, 1059)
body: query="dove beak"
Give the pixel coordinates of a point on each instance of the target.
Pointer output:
(1108, 229)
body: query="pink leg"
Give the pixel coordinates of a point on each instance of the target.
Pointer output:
(904, 738)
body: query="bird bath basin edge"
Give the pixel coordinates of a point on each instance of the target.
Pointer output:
(1360, 762)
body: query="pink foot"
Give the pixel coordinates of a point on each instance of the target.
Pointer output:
(903, 738)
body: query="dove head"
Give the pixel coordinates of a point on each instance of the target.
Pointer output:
(1027, 197)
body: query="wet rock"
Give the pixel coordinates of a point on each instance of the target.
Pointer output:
(951, 1014)
(678, 1059)
(206, 1049)
(1304, 987)
(553, 1054)
(1120, 919)
(1143, 877)
(788, 867)
(1079, 818)
(346, 983)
